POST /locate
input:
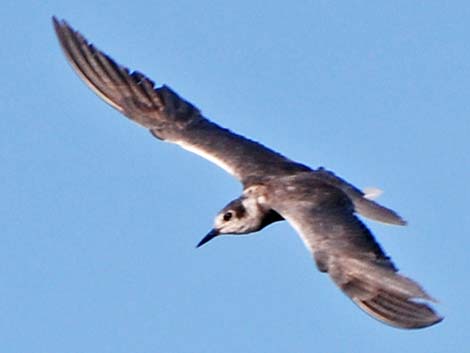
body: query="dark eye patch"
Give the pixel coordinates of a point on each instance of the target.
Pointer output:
(227, 216)
(240, 211)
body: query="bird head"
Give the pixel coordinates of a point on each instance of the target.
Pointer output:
(241, 216)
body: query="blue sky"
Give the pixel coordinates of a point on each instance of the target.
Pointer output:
(100, 220)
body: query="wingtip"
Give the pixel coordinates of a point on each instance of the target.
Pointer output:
(385, 295)
(59, 26)
(56, 22)
(400, 314)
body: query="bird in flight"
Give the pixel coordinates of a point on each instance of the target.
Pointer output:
(319, 205)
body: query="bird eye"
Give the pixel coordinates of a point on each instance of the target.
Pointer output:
(227, 216)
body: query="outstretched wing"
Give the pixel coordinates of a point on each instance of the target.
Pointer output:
(166, 115)
(343, 246)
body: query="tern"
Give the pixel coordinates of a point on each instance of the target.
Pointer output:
(319, 205)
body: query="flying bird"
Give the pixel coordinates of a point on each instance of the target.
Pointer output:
(319, 205)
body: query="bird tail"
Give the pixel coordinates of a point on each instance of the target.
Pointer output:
(371, 209)
(363, 203)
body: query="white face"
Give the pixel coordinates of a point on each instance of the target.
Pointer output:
(240, 216)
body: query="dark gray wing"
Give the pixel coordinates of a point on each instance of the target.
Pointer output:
(166, 115)
(343, 246)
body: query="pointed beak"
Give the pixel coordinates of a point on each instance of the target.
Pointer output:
(211, 235)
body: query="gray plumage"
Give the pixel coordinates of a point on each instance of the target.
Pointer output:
(317, 203)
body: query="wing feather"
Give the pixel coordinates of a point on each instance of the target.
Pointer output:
(167, 115)
(343, 247)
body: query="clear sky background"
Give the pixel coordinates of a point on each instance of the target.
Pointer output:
(99, 220)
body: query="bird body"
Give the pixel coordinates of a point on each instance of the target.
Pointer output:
(319, 205)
